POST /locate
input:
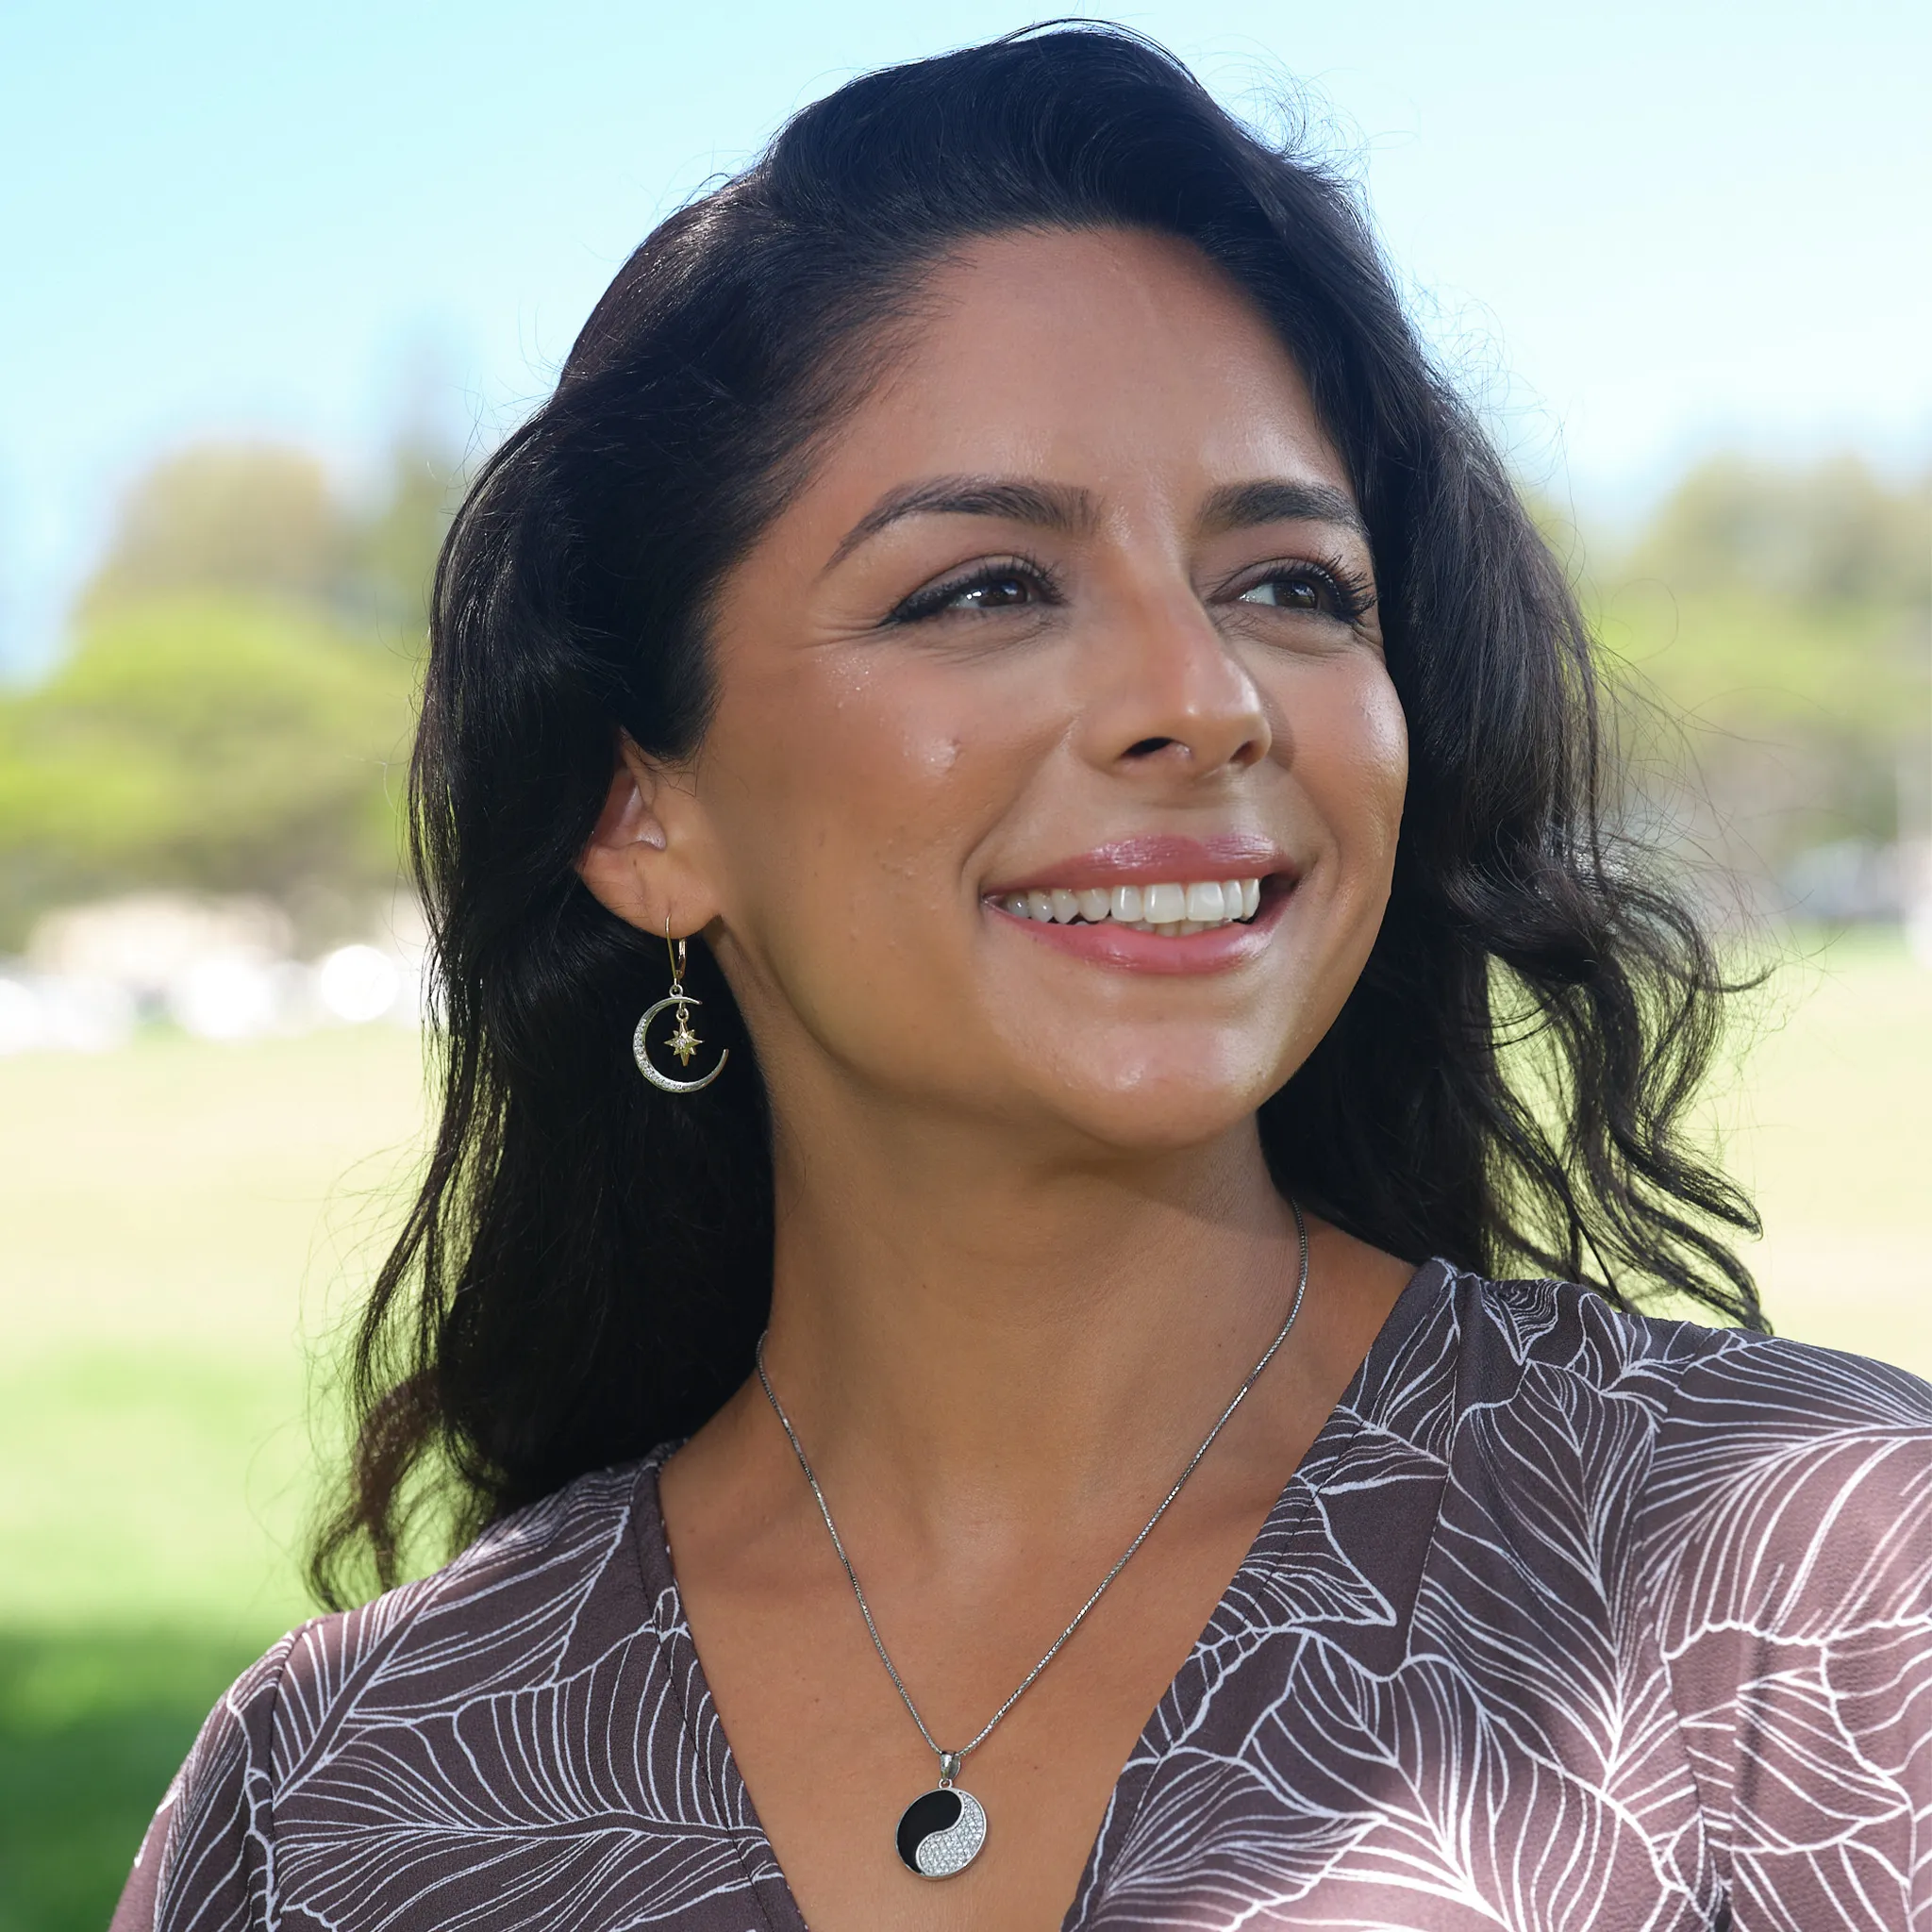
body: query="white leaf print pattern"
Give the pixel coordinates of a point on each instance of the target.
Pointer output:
(1570, 1620)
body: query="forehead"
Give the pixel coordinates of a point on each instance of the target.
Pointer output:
(1115, 359)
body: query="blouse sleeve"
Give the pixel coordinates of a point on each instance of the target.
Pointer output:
(204, 1865)
(1788, 1533)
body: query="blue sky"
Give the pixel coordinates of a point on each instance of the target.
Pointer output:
(1637, 231)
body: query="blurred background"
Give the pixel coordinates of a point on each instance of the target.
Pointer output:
(277, 276)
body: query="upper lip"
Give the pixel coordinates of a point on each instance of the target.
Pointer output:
(1156, 859)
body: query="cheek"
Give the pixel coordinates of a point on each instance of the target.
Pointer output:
(1354, 759)
(1385, 759)
(871, 779)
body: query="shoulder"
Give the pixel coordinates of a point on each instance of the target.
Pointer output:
(540, 1593)
(1785, 1543)
(1769, 1480)
(1792, 1492)
(203, 1859)
(1743, 1524)
(530, 1593)
(1706, 1395)
(1464, 1354)
(1693, 1439)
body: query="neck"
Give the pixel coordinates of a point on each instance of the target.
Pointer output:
(966, 1331)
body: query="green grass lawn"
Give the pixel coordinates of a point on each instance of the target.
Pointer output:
(182, 1228)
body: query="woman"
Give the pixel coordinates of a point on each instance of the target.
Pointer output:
(1003, 654)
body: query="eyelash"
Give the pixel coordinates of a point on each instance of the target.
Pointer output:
(1353, 593)
(933, 600)
(1352, 590)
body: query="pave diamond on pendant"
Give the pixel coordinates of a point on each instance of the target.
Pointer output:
(941, 1832)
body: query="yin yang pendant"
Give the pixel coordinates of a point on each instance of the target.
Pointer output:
(941, 1832)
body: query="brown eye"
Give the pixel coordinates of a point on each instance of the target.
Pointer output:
(1328, 591)
(1005, 585)
(991, 593)
(1287, 593)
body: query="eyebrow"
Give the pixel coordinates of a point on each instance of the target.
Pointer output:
(1271, 500)
(1064, 507)
(1016, 499)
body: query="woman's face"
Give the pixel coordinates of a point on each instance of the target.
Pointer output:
(1067, 650)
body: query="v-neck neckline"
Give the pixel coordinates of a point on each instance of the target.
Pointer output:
(1316, 1467)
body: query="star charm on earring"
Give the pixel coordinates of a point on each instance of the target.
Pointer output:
(683, 1042)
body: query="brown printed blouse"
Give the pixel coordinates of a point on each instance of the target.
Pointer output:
(1570, 1620)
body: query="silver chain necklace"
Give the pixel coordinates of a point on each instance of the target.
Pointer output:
(941, 1831)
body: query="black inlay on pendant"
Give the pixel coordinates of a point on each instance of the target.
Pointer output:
(935, 1811)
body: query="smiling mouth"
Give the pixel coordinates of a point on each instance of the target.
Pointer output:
(1171, 911)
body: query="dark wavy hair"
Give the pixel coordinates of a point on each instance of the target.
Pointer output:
(587, 1266)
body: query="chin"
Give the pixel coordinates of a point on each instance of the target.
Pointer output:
(1165, 1108)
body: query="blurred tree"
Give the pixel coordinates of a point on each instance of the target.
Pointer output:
(1831, 535)
(204, 739)
(237, 710)
(258, 518)
(392, 551)
(1774, 627)
(244, 518)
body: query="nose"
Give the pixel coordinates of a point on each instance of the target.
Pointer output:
(1169, 695)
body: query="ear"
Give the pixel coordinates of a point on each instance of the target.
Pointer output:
(642, 860)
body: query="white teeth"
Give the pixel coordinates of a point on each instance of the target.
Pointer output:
(1175, 910)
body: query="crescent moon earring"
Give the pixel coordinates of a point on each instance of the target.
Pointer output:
(683, 1042)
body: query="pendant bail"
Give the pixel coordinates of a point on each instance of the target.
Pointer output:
(950, 1762)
